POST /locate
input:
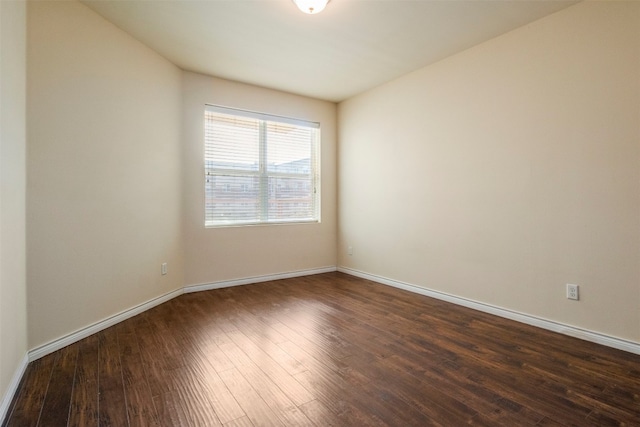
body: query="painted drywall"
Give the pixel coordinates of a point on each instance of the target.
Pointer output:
(103, 171)
(222, 254)
(507, 171)
(13, 306)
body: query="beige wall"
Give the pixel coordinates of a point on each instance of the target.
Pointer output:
(13, 306)
(504, 172)
(103, 186)
(219, 254)
(499, 175)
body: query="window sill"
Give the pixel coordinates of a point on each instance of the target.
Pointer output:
(261, 224)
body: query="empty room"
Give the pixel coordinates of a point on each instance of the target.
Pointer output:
(310, 213)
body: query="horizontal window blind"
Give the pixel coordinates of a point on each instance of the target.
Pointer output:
(259, 168)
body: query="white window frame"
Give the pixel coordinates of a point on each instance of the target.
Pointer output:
(263, 174)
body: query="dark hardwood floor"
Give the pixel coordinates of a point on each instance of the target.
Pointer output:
(327, 350)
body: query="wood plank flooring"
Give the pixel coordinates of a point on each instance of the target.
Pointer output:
(326, 350)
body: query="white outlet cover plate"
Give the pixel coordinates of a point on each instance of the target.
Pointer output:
(573, 292)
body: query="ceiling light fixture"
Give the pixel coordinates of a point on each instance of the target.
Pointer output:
(311, 6)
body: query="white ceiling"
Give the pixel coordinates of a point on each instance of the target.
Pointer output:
(352, 46)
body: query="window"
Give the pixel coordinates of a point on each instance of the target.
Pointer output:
(259, 168)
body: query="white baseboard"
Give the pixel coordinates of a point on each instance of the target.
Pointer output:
(257, 279)
(43, 350)
(69, 339)
(73, 337)
(12, 389)
(596, 337)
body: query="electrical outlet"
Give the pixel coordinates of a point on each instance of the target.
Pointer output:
(163, 268)
(350, 250)
(572, 292)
